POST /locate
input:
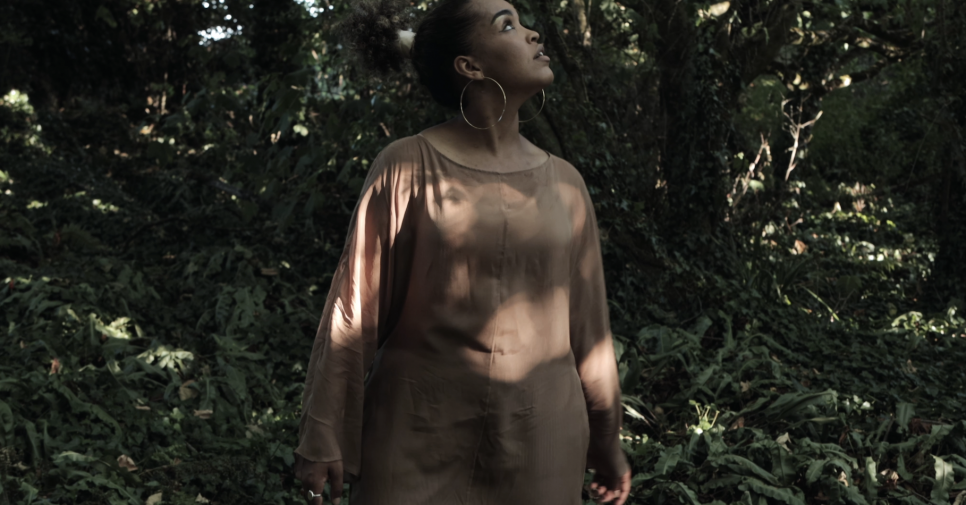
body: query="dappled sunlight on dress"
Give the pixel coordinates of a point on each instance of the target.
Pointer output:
(475, 301)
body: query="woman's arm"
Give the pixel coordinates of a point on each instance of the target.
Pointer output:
(353, 319)
(592, 345)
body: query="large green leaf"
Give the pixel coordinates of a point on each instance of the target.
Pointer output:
(669, 460)
(943, 482)
(781, 495)
(745, 466)
(904, 412)
(6, 420)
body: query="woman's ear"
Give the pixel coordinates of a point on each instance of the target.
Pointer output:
(466, 66)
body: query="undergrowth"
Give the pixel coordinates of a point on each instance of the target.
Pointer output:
(156, 324)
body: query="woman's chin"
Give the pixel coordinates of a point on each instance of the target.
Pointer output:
(546, 78)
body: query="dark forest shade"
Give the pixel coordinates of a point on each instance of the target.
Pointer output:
(442, 34)
(214, 224)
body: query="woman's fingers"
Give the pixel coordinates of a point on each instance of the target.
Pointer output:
(314, 475)
(316, 485)
(617, 492)
(594, 491)
(335, 484)
(311, 478)
(600, 493)
(625, 488)
(609, 495)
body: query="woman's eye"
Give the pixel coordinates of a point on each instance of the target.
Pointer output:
(509, 24)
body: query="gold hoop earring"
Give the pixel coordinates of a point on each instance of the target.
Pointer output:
(541, 107)
(501, 113)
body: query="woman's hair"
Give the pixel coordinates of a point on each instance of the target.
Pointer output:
(444, 33)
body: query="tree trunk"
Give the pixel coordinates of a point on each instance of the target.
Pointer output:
(693, 124)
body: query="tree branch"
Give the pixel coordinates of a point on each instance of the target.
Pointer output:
(901, 38)
(761, 50)
(559, 50)
(863, 75)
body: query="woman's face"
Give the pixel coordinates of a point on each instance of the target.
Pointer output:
(506, 50)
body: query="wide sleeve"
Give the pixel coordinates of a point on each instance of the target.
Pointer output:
(353, 320)
(591, 342)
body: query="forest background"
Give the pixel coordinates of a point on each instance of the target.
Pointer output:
(780, 187)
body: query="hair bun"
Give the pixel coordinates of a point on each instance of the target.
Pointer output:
(375, 29)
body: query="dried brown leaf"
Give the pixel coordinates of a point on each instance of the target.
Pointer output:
(844, 479)
(891, 478)
(185, 392)
(783, 441)
(125, 461)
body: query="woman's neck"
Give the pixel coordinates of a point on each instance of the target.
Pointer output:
(501, 139)
(494, 115)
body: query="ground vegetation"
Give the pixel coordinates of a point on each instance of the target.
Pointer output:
(780, 184)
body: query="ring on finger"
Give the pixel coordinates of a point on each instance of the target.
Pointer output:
(311, 495)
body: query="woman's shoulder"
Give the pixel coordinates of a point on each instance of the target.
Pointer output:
(565, 170)
(568, 173)
(397, 159)
(401, 150)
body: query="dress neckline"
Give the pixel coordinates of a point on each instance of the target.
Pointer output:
(447, 158)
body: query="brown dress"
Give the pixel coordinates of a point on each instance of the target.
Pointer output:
(475, 302)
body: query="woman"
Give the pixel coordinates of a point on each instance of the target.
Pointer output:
(464, 354)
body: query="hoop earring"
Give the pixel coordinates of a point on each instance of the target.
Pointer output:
(501, 113)
(541, 107)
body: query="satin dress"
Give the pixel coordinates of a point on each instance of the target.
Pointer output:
(464, 353)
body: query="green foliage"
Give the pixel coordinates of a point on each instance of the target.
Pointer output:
(174, 356)
(743, 417)
(172, 207)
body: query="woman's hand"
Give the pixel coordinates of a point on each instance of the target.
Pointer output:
(314, 475)
(604, 489)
